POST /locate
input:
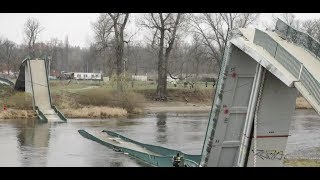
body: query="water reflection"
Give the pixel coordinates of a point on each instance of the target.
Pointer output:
(32, 142)
(126, 123)
(116, 164)
(303, 141)
(34, 134)
(161, 128)
(28, 143)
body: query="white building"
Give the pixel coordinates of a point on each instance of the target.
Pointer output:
(140, 77)
(87, 76)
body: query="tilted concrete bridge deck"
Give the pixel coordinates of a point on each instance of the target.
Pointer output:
(33, 78)
(288, 61)
(261, 73)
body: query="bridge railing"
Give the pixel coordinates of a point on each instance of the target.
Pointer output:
(300, 38)
(287, 60)
(310, 83)
(278, 52)
(154, 160)
(157, 149)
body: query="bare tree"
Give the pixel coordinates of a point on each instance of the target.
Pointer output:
(8, 54)
(187, 59)
(55, 52)
(103, 44)
(32, 30)
(198, 53)
(65, 62)
(103, 29)
(289, 18)
(134, 57)
(110, 31)
(312, 27)
(164, 27)
(216, 29)
(1, 55)
(179, 61)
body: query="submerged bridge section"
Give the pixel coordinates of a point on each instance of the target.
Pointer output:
(262, 73)
(33, 78)
(147, 153)
(6, 82)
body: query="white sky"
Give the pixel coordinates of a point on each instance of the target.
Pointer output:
(77, 25)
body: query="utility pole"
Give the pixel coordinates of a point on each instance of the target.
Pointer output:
(49, 65)
(124, 66)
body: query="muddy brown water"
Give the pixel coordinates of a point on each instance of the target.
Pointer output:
(28, 143)
(304, 139)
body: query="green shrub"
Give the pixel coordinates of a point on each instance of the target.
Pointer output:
(20, 100)
(127, 99)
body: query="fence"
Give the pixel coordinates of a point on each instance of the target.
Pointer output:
(288, 61)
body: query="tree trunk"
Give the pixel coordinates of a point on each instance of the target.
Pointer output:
(165, 75)
(197, 74)
(136, 71)
(119, 60)
(8, 68)
(162, 74)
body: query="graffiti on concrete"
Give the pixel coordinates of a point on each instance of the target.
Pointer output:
(269, 154)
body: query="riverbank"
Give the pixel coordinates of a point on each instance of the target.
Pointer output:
(301, 163)
(102, 112)
(302, 103)
(154, 107)
(61, 144)
(80, 101)
(176, 107)
(182, 107)
(17, 114)
(85, 112)
(95, 112)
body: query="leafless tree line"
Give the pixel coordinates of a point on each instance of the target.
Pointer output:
(163, 52)
(110, 35)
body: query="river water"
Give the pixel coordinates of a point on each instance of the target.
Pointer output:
(28, 143)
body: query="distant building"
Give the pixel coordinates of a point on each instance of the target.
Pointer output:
(5, 74)
(87, 76)
(140, 77)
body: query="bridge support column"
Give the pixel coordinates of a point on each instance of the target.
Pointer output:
(272, 123)
(248, 105)
(27, 79)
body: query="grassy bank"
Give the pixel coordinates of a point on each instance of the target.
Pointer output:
(95, 112)
(301, 163)
(98, 97)
(302, 103)
(85, 100)
(75, 101)
(17, 114)
(75, 94)
(204, 96)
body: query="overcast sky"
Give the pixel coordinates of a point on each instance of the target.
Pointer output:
(77, 26)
